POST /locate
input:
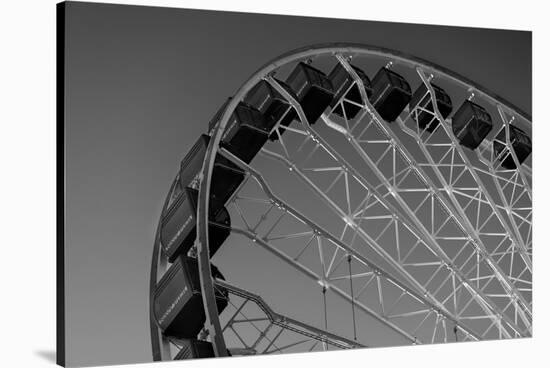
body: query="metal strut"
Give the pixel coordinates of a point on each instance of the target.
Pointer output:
(422, 297)
(485, 304)
(324, 292)
(352, 298)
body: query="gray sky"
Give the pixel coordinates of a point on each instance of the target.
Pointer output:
(142, 84)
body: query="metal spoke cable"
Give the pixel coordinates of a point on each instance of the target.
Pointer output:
(352, 298)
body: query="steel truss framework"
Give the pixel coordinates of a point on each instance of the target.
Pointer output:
(427, 238)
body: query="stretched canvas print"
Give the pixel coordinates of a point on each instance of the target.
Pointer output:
(239, 184)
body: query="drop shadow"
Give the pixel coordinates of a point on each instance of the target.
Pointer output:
(48, 355)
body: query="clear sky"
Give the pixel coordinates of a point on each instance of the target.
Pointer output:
(142, 84)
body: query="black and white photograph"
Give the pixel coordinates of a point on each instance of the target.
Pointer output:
(237, 185)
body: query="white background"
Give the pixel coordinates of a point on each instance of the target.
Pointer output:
(27, 179)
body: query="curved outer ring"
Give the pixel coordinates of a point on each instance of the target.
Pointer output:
(213, 323)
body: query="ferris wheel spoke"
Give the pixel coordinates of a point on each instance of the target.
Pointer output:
(381, 234)
(340, 292)
(475, 177)
(494, 306)
(235, 314)
(286, 346)
(319, 277)
(261, 331)
(289, 326)
(345, 216)
(514, 330)
(460, 219)
(297, 172)
(511, 151)
(353, 276)
(506, 181)
(492, 234)
(514, 201)
(272, 342)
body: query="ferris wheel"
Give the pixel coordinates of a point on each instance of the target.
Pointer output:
(347, 211)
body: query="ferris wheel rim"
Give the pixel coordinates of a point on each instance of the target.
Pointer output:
(213, 146)
(351, 47)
